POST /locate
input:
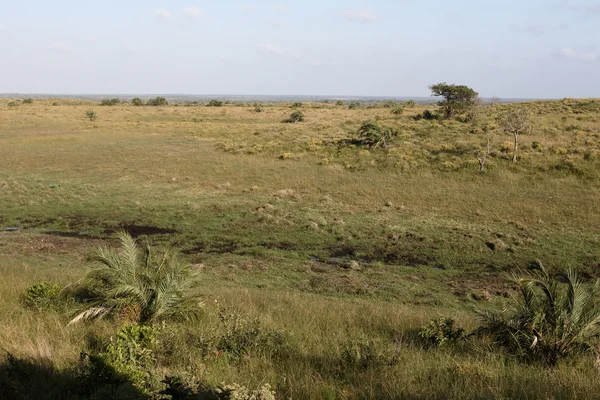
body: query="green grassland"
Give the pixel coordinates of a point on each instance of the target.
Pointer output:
(337, 248)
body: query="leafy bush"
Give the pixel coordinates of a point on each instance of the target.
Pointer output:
(397, 111)
(13, 103)
(177, 389)
(440, 332)
(296, 117)
(353, 105)
(28, 101)
(410, 104)
(91, 115)
(215, 103)
(41, 296)
(157, 102)
(372, 135)
(136, 101)
(258, 108)
(297, 105)
(339, 103)
(552, 318)
(137, 285)
(110, 102)
(128, 358)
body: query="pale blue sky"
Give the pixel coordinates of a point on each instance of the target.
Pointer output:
(505, 48)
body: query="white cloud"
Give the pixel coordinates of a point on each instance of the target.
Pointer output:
(58, 46)
(3, 28)
(164, 15)
(360, 15)
(193, 12)
(569, 52)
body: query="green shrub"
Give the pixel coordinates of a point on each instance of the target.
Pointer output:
(157, 102)
(178, 389)
(339, 103)
(363, 355)
(41, 296)
(373, 135)
(296, 117)
(440, 332)
(215, 103)
(410, 104)
(137, 285)
(128, 358)
(13, 103)
(28, 101)
(552, 318)
(110, 102)
(136, 101)
(91, 115)
(258, 108)
(297, 105)
(353, 105)
(397, 111)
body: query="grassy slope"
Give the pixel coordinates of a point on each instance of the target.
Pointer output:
(278, 233)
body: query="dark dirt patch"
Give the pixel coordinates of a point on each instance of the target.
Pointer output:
(141, 230)
(72, 234)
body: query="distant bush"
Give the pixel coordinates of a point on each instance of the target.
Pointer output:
(91, 115)
(296, 117)
(41, 296)
(13, 103)
(136, 101)
(440, 332)
(339, 103)
(258, 108)
(110, 102)
(297, 105)
(426, 115)
(373, 135)
(157, 102)
(28, 101)
(410, 104)
(353, 105)
(397, 110)
(215, 103)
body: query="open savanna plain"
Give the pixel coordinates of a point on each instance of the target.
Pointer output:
(319, 259)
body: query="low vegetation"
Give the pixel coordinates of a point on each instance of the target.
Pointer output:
(359, 254)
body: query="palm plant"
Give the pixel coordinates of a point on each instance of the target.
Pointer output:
(552, 317)
(137, 285)
(371, 134)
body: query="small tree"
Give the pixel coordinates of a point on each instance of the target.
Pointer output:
(157, 101)
(136, 101)
(457, 98)
(215, 103)
(483, 154)
(295, 117)
(515, 121)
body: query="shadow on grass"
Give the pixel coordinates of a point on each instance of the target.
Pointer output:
(24, 379)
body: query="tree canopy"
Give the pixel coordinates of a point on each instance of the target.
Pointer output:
(457, 98)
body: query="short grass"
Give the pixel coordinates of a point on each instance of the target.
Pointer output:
(274, 215)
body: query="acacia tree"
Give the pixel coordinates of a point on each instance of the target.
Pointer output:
(457, 98)
(515, 121)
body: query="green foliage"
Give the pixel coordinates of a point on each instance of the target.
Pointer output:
(215, 103)
(457, 98)
(137, 285)
(398, 110)
(157, 102)
(136, 101)
(440, 332)
(258, 108)
(177, 389)
(296, 117)
(373, 135)
(128, 358)
(110, 102)
(296, 105)
(42, 296)
(28, 101)
(13, 104)
(91, 115)
(339, 103)
(363, 355)
(242, 337)
(410, 103)
(353, 105)
(552, 318)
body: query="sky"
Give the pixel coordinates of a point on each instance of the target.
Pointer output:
(502, 48)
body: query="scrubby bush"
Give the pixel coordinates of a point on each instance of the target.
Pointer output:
(136, 101)
(552, 318)
(12, 104)
(137, 285)
(365, 354)
(110, 102)
(41, 296)
(397, 111)
(91, 115)
(339, 103)
(215, 103)
(296, 117)
(178, 389)
(440, 332)
(258, 108)
(157, 102)
(297, 105)
(28, 101)
(353, 105)
(373, 135)
(126, 359)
